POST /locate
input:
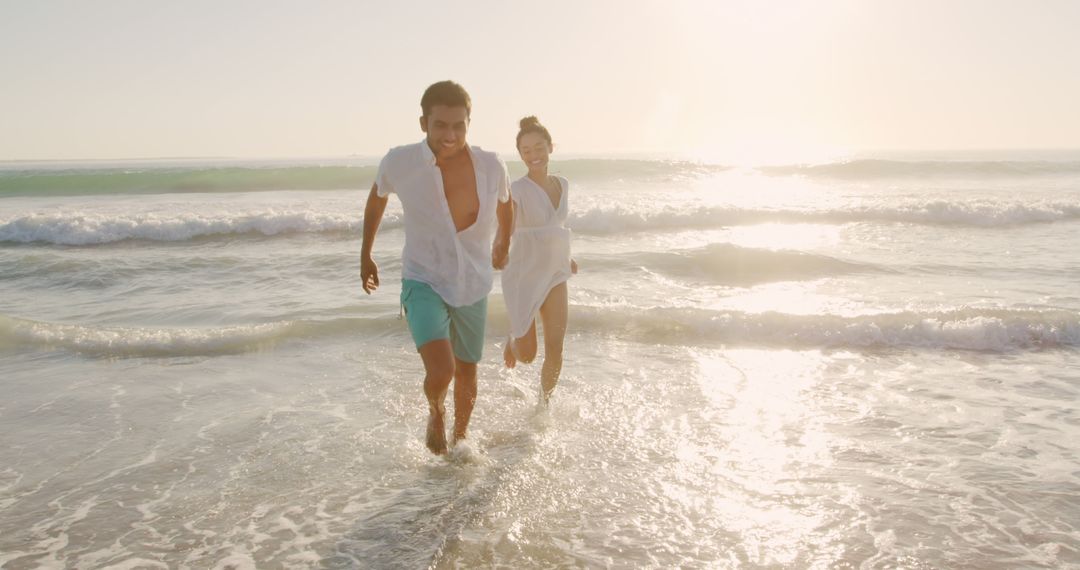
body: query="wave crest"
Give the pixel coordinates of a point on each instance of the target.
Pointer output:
(971, 213)
(128, 341)
(734, 265)
(999, 330)
(77, 228)
(879, 168)
(84, 228)
(990, 330)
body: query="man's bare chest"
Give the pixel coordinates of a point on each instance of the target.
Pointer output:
(459, 187)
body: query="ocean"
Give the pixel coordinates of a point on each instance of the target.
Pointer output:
(868, 363)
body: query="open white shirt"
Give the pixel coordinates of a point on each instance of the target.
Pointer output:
(456, 264)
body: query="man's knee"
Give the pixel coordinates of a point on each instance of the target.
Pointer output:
(438, 362)
(465, 371)
(440, 374)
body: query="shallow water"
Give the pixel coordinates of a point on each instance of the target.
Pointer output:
(807, 370)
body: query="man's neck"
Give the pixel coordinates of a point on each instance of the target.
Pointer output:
(464, 150)
(458, 158)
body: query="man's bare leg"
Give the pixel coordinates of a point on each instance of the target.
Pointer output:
(464, 396)
(438, 360)
(554, 315)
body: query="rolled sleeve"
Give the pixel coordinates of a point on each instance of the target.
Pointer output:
(382, 179)
(503, 190)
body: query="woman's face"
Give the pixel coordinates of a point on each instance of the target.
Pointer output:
(534, 150)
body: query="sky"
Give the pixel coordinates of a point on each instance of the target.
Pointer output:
(727, 80)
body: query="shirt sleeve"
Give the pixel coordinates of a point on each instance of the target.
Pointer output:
(382, 178)
(503, 181)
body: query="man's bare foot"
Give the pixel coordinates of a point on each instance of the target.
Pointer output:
(508, 353)
(436, 433)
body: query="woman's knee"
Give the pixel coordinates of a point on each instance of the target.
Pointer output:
(525, 351)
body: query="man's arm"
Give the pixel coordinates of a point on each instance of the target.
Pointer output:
(373, 213)
(500, 250)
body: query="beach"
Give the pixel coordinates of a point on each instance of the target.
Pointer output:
(866, 363)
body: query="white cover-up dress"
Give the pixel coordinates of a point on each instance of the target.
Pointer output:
(539, 252)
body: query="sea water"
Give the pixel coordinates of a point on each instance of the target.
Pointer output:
(871, 363)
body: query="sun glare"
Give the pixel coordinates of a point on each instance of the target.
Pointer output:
(754, 150)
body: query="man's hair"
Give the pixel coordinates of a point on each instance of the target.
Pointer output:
(445, 93)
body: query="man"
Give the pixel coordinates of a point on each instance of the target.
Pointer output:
(451, 195)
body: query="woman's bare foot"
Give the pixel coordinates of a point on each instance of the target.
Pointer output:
(543, 398)
(508, 353)
(436, 433)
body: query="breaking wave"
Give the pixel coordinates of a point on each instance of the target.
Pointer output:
(89, 228)
(971, 213)
(967, 329)
(877, 168)
(76, 228)
(990, 330)
(733, 265)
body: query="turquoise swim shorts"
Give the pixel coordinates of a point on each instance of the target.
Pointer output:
(430, 318)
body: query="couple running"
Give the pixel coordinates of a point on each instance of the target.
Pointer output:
(454, 196)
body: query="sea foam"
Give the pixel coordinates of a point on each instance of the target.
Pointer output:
(734, 265)
(1000, 330)
(88, 227)
(970, 213)
(966, 329)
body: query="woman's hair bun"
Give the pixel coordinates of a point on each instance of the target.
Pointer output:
(531, 124)
(528, 122)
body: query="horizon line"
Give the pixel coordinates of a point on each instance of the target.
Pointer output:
(685, 153)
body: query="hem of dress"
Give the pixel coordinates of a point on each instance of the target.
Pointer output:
(536, 310)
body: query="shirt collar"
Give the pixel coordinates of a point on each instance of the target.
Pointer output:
(429, 156)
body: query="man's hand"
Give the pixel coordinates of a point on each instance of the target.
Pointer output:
(500, 253)
(369, 275)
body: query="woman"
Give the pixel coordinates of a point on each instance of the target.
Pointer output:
(534, 280)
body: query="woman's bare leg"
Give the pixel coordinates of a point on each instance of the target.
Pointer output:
(521, 349)
(554, 315)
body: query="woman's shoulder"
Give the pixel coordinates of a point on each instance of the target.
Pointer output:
(521, 183)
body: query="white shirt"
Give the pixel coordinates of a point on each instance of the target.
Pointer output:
(456, 264)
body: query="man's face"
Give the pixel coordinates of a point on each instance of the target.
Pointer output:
(446, 128)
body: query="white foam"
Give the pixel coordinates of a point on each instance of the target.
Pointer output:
(463, 452)
(976, 213)
(140, 341)
(967, 329)
(95, 228)
(89, 227)
(134, 563)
